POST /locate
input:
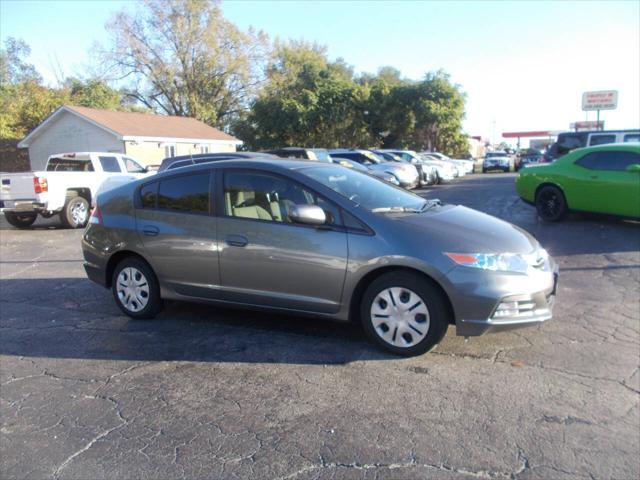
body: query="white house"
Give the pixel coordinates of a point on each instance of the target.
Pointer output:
(146, 137)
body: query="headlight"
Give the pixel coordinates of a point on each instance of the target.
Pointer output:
(497, 262)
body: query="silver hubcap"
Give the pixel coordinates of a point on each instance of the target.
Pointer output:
(132, 289)
(79, 213)
(400, 317)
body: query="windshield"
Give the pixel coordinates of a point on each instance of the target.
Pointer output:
(364, 190)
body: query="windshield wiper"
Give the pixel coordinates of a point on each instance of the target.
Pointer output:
(395, 210)
(429, 204)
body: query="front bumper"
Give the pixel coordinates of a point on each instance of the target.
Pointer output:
(496, 301)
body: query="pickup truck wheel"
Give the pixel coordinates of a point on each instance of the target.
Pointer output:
(75, 213)
(20, 220)
(135, 288)
(404, 313)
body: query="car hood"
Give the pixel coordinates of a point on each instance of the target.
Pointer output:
(459, 229)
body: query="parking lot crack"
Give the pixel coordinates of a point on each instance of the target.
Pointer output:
(92, 442)
(410, 464)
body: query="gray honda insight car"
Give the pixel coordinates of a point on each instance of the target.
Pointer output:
(320, 239)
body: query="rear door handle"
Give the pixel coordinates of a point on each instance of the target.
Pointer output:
(594, 177)
(150, 230)
(236, 240)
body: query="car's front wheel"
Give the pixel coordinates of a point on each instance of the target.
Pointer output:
(136, 289)
(404, 313)
(551, 204)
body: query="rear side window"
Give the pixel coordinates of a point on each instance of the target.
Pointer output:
(186, 193)
(109, 164)
(612, 161)
(632, 137)
(602, 139)
(69, 165)
(149, 195)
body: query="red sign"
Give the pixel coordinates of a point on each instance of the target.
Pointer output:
(587, 125)
(540, 133)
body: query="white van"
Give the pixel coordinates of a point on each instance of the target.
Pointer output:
(568, 141)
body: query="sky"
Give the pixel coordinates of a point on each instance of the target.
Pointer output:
(523, 65)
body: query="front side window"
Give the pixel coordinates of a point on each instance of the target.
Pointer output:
(632, 137)
(109, 164)
(132, 166)
(185, 193)
(364, 190)
(149, 195)
(610, 161)
(602, 139)
(262, 196)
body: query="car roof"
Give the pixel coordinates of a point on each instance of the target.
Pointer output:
(213, 156)
(279, 164)
(624, 146)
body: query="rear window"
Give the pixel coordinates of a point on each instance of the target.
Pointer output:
(69, 165)
(570, 141)
(186, 193)
(632, 137)
(109, 164)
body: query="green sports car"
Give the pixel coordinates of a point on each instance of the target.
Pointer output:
(603, 179)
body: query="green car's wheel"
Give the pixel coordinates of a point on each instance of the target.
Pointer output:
(551, 204)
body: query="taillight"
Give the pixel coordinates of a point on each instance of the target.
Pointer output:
(40, 185)
(96, 216)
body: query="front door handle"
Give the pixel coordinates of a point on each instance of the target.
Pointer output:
(150, 230)
(236, 240)
(594, 177)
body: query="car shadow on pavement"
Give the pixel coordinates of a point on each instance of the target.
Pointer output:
(57, 325)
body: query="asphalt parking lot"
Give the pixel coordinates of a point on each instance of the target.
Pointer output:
(201, 392)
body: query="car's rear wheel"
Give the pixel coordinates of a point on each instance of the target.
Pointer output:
(404, 313)
(551, 204)
(136, 289)
(75, 213)
(20, 220)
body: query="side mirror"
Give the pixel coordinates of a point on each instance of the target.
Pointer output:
(634, 167)
(307, 214)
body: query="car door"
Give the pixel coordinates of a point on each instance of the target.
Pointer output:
(265, 258)
(175, 222)
(602, 184)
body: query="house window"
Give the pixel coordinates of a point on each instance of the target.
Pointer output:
(204, 148)
(169, 151)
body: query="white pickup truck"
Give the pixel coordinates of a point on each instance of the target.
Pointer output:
(68, 186)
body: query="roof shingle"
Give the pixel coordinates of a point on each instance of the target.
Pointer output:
(150, 125)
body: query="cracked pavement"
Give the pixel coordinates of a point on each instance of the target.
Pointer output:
(203, 392)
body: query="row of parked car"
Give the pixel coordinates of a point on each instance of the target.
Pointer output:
(70, 182)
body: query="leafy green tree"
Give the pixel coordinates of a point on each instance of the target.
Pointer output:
(94, 93)
(307, 101)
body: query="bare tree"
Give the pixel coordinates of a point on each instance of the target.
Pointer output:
(182, 57)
